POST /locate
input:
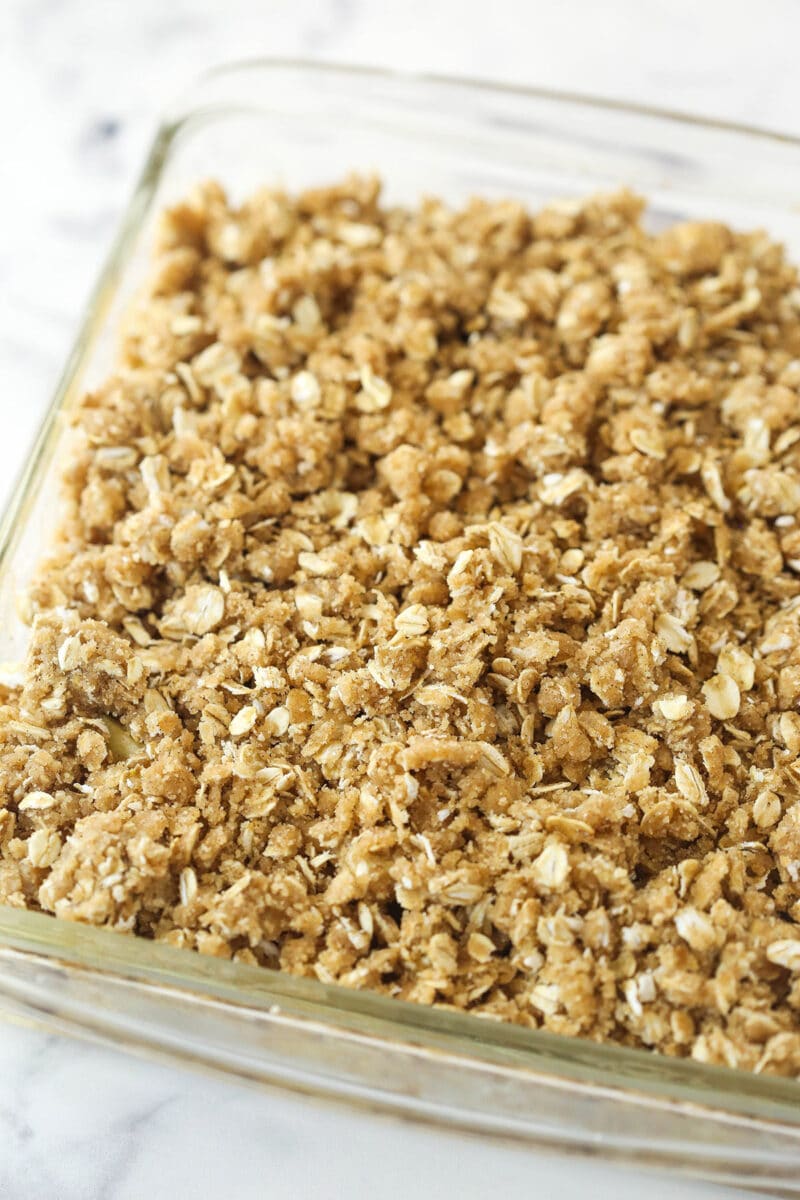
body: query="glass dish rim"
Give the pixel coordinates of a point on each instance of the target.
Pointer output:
(95, 951)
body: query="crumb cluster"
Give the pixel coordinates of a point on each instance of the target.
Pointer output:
(425, 613)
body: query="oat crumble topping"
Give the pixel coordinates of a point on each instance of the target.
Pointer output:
(424, 617)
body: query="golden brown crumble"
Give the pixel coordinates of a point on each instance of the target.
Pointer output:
(425, 618)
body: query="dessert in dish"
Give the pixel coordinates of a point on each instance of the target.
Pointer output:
(423, 617)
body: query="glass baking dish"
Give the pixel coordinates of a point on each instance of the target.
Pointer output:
(296, 124)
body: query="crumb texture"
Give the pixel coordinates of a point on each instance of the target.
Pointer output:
(424, 617)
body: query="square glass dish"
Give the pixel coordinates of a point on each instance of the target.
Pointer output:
(298, 124)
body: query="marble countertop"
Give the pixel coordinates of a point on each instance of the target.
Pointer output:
(81, 85)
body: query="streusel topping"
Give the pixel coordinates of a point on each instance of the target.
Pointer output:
(424, 617)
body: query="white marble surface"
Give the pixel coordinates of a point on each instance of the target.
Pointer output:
(81, 84)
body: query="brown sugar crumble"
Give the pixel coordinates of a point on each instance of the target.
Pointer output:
(425, 617)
